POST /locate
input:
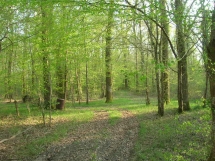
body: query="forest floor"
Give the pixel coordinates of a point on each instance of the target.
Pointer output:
(97, 140)
(125, 130)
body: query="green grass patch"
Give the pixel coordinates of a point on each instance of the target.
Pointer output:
(175, 137)
(170, 138)
(114, 116)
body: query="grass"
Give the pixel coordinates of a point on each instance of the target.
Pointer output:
(114, 116)
(172, 137)
(175, 137)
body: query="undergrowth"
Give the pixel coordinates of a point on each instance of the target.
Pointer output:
(175, 137)
(172, 137)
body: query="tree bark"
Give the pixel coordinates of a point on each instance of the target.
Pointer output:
(45, 57)
(165, 54)
(183, 101)
(108, 55)
(9, 94)
(125, 71)
(79, 86)
(211, 65)
(61, 77)
(205, 39)
(87, 84)
(146, 82)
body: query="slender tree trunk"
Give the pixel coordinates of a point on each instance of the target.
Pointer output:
(17, 108)
(205, 39)
(146, 82)
(136, 73)
(87, 84)
(211, 64)
(183, 101)
(108, 55)
(144, 68)
(8, 83)
(165, 54)
(158, 77)
(206, 90)
(79, 88)
(45, 57)
(126, 71)
(185, 95)
(46, 84)
(154, 38)
(61, 77)
(136, 57)
(33, 72)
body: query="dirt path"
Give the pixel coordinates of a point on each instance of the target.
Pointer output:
(97, 141)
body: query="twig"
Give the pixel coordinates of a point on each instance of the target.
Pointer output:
(12, 137)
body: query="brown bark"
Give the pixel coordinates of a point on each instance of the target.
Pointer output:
(126, 69)
(16, 106)
(146, 82)
(205, 39)
(165, 54)
(45, 58)
(79, 86)
(183, 101)
(136, 57)
(60, 104)
(108, 55)
(211, 67)
(9, 94)
(61, 79)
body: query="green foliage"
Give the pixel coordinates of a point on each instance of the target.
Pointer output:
(172, 137)
(175, 137)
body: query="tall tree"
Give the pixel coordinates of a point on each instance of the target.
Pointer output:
(183, 101)
(45, 13)
(211, 66)
(205, 38)
(165, 53)
(108, 53)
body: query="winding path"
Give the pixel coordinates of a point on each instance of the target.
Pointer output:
(97, 140)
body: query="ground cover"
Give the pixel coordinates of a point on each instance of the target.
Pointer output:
(126, 129)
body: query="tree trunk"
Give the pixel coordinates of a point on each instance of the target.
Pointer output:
(45, 57)
(146, 82)
(87, 84)
(211, 65)
(61, 77)
(205, 39)
(183, 101)
(79, 87)
(158, 77)
(108, 55)
(136, 57)
(144, 66)
(9, 94)
(125, 71)
(16, 106)
(165, 54)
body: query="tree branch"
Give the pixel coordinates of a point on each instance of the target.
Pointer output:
(161, 27)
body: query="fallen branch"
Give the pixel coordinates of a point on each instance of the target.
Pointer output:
(12, 137)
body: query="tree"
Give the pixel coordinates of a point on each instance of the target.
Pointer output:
(108, 53)
(205, 38)
(45, 31)
(165, 53)
(211, 69)
(183, 101)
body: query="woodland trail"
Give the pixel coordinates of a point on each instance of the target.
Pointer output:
(97, 140)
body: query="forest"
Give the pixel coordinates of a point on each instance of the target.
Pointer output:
(97, 80)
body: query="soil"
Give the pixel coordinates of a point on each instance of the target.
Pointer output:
(97, 141)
